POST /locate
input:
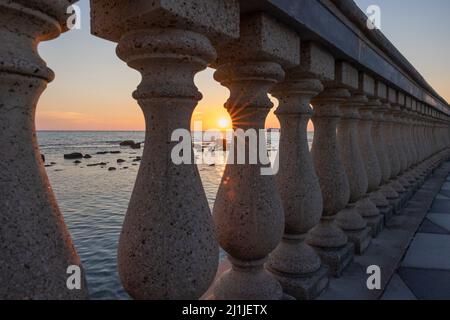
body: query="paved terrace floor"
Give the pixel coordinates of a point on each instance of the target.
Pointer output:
(424, 272)
(413, 251)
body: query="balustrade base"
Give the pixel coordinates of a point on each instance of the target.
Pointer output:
(376, 223)
(387, 213)
(396, 203)
(337, 259)
(305, 287)
(406, 196)
(360, 238)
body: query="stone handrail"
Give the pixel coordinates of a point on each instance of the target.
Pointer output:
(380, 130)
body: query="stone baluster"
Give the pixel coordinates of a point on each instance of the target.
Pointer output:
(445, 136)
(248, 211)
(386, 197)
(407, 133)
(366, 206)
(413, 174)
(425, 142)
(330, 242)
(294, 263)
(417, 145)
(420, 140)
(409, 143)
(403, 135)
(400, 145)
(348, 219)
(167, 248)
(426, 139)
(446, 133)
(393, 151)
(35, 246)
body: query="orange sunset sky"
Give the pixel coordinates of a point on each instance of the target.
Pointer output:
(92, 90)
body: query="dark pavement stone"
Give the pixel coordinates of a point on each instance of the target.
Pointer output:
(445, 193)
(440, 206)
(429, 227)
(427, 284)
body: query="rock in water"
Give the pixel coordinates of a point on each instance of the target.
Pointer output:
(136, 146)
(75, 155)
(42, 157)
(111, 169)
(127, 143)
(87, 156)
(120, 161)
(97, 164)
(77, 162)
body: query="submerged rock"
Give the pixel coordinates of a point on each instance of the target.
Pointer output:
(74, 155)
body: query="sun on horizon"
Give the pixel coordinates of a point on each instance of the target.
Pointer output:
(223, 123)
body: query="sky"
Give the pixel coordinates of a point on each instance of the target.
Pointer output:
(92, 89)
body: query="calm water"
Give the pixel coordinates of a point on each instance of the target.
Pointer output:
(94, 200)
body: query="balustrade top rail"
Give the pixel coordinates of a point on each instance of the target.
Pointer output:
(341, 27)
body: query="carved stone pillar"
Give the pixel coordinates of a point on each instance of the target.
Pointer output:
(413, 176)
(294, 263)
(248, 211)
(330, 241)
(419, 141)
(400, 145)
(387, 187)
(35, 246)
(387, 197)
(349, 219)
(393, 151)
(366, 206)
(406, 143)
(167, 248)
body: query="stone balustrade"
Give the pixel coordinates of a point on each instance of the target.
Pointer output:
(378, 134)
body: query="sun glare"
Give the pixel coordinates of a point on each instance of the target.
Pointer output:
(223, 123)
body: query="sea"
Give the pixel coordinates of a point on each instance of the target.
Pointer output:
(94, 199)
